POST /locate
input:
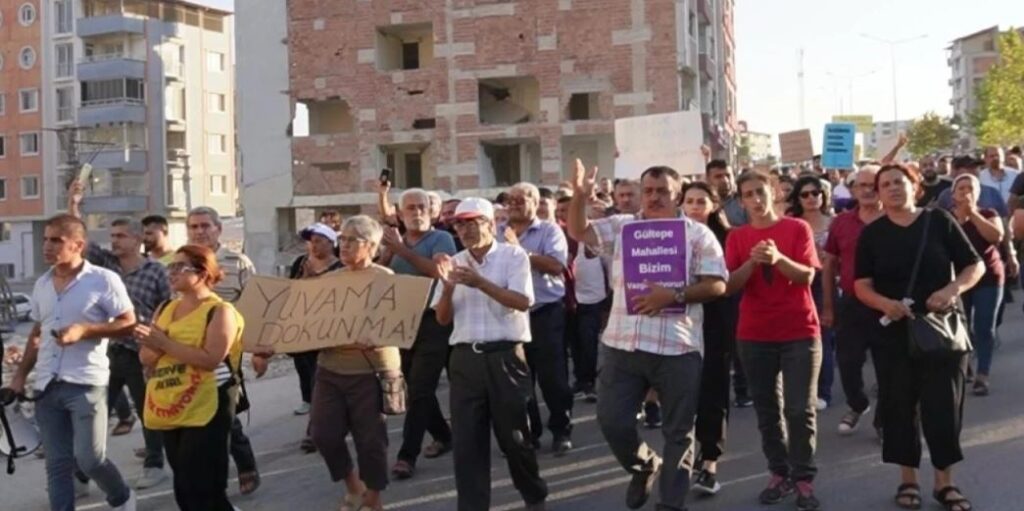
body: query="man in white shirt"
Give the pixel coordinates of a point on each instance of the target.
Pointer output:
(487, 291)
(995, 174)
(76, 307)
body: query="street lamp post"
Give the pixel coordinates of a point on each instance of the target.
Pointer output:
(892, 56)
(849, 84)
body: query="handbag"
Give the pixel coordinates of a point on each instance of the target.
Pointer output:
(935, 334)
(393, 390)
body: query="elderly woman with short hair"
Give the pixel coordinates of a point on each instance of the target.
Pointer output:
(347, 394)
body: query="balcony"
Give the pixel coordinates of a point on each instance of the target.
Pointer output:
(110, 66)
(133, 160)
(115, 110)
(173, 70)
(705, 67)
(115, 23)
(129, 202)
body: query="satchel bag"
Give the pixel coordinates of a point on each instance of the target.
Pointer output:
(935, 334)
(393, 390)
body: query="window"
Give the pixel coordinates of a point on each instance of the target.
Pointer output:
(3, 189)
(218, 143)
(65, 60)
(5, 231)
(404, 47)
(3, 103)
(1, 62)
(65, 103)
(218, 185)
(30, 187)
(27, 14)
(27, 57)
(213, 22)
(105, 91)
(64, 15)
(218, 102)
(3, 146)
(7, 270)
(29, 144)
(29, 100)
(583, 106)
(215, 61)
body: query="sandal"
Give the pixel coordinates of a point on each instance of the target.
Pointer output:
(307, 446)
(908, 496)
(248, 482)
(123, 427)
(403, 470)
(952, 503)
(436, 449)
(351, 503)
(980, 388)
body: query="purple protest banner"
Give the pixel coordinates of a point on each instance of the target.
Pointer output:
(653, 251)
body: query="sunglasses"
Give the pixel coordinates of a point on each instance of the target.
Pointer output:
(181, 268)
(810, 193)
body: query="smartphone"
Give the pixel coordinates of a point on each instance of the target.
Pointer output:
(385, 175)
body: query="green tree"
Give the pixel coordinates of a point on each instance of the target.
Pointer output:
(929, 134)
(998, 117)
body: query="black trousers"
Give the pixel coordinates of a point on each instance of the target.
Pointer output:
(126, 371)
(919, 395)
(713, 402)
(422, 365)
(588, 321)
(490, 391)
(857, 332)
(241, 449)
(199, 459)
(305, 368)
(547, 359)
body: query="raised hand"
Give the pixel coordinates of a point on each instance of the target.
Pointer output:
(582, 183)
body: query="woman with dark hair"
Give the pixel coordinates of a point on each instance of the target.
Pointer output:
(193, 349)
(783, 185)
(811, 202)
(701, 203)
(915, 393)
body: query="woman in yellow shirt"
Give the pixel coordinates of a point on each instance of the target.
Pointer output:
(347, 395)
(192, 350)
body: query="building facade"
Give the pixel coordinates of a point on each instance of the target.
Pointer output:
(752, 147)
(143, 91)
(464, 97)
(884, 137)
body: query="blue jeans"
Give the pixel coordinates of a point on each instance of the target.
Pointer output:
(828, 345)
(981, 304)
(73, 425)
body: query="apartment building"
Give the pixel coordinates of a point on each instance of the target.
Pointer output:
(970, 58)
(464, 97)
(21, 137)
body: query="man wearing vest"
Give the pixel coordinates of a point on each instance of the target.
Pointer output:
(204, 228)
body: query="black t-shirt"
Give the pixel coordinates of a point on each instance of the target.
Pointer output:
(932, 192)
(886, 253)
(1017, 187)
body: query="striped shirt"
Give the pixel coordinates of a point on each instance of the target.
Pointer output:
(237, 269)
(664, 334)
(478, 317)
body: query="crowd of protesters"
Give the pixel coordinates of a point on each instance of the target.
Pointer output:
(792, 275)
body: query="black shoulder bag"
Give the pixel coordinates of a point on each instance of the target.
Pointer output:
(935, 334)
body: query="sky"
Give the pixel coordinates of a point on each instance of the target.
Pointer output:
(770, 34)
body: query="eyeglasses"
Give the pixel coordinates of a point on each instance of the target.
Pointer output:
(350, 240)
(175, 268)
(810, 193)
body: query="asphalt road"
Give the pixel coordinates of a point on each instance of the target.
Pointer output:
(851, 475)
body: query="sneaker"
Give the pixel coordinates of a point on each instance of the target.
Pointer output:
(706, 484)
(640, 486)
(652, 415)
(81, 489)
(778, 488)
(129, 505)
(743, 402)
(151, 476)
(590, 394)
(578, 387)
(805, 499)
(561, 446)
(848, 424)
(821, 405)
(303, 409)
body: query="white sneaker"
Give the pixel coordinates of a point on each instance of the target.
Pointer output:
(81, 489)
(821, 404)
(129, 505)
(150, 477)
(303, 409)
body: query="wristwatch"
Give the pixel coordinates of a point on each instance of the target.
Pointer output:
(680, 296)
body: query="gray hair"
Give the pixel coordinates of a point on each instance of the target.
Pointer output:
(435, 202)
(134, 226)
(365, 227)
(418, 193)
(528, 189)
(207, 211)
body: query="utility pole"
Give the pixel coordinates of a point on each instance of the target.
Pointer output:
(892, 56)
(803, 95)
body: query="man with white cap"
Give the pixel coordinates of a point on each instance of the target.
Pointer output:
(321, 245)
(487, 290)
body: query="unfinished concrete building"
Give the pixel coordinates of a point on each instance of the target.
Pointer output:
(463, 96)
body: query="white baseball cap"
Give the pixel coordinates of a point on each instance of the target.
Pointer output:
(474, 207)
(321, 229)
